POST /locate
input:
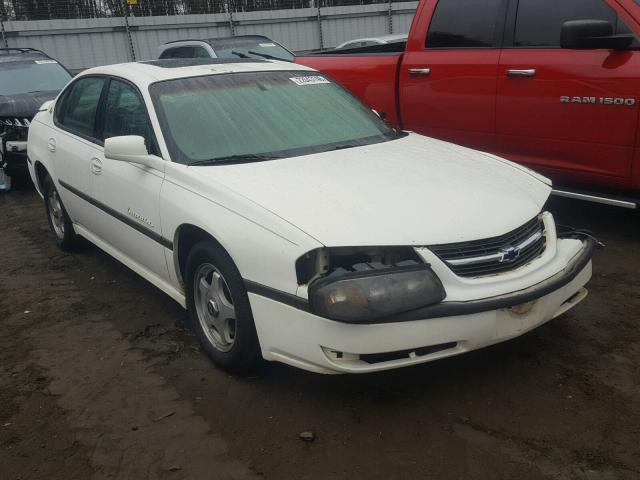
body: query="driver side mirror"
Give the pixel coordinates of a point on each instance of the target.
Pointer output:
(131, 148)
(593, 34)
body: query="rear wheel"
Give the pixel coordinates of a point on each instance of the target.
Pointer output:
(59, 221)
(219, 309)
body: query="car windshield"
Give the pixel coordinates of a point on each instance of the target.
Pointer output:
(254, 49)
(243, 117)
(32, 76)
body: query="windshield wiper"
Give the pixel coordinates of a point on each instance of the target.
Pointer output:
(266, 55)
(234, 159)
(239, 54)
(350, 145)
(361, 143)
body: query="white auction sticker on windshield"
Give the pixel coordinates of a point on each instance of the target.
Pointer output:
(311, 80)
(266, 45)
(40, 62)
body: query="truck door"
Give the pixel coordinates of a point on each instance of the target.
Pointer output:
(570, 113)
(448, 77)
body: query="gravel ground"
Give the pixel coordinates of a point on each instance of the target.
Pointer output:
(99, 378)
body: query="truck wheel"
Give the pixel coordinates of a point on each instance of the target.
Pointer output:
(219, 309)
(59, 221)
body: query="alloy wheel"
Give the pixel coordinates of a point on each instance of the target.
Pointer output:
(56, 213)
(214, 307)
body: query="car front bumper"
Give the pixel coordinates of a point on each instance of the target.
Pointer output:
(299, 338)
(13, 158)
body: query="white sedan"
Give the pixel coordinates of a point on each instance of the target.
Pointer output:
(292, 223)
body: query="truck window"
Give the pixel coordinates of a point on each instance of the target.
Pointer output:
(622, 29)
(538, 22)
(465, 24)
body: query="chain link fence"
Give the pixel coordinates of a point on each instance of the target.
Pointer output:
(77, 9)
(86, 33)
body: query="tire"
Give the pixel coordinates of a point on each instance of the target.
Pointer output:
(59, 221)
(215, 295)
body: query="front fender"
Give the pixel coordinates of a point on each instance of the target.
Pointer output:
(263, 246)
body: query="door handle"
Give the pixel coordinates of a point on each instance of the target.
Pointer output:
(51, 145)
(527, 72)
(96, 166)
(419, 71)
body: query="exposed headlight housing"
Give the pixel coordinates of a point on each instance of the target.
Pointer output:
(367, 296)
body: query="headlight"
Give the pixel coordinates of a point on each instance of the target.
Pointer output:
(361, 297)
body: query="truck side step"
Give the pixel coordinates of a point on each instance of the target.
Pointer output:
(624, 202)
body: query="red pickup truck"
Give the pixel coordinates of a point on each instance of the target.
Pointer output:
(552, 84)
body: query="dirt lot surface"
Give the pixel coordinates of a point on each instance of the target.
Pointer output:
(100, 379)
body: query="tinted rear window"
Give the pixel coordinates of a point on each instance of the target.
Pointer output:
(185, 52)
(260, 48)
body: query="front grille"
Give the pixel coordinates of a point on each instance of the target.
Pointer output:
(494, 255)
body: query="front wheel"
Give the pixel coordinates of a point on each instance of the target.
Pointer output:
(59, 221)
(219, 309)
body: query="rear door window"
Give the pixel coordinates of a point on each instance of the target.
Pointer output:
(466, 24)
(539, 22)
(77, 109)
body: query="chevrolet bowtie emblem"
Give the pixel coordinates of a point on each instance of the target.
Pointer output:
(508, 254)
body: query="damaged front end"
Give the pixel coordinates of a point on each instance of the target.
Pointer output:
(13, 149)
(366, 284)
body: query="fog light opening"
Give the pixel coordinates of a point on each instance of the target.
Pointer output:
(338, 356)
(373, 358)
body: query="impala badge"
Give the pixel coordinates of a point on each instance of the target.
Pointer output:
(139, 217)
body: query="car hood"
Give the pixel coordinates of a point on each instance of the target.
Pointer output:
(410, 191)
(24, 105)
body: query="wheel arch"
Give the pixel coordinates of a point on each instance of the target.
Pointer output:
(185, 238)
(41, 173)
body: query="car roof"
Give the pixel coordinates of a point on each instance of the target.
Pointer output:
(219, 43)
(145, 73)
(223, 41)
(8, 55)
